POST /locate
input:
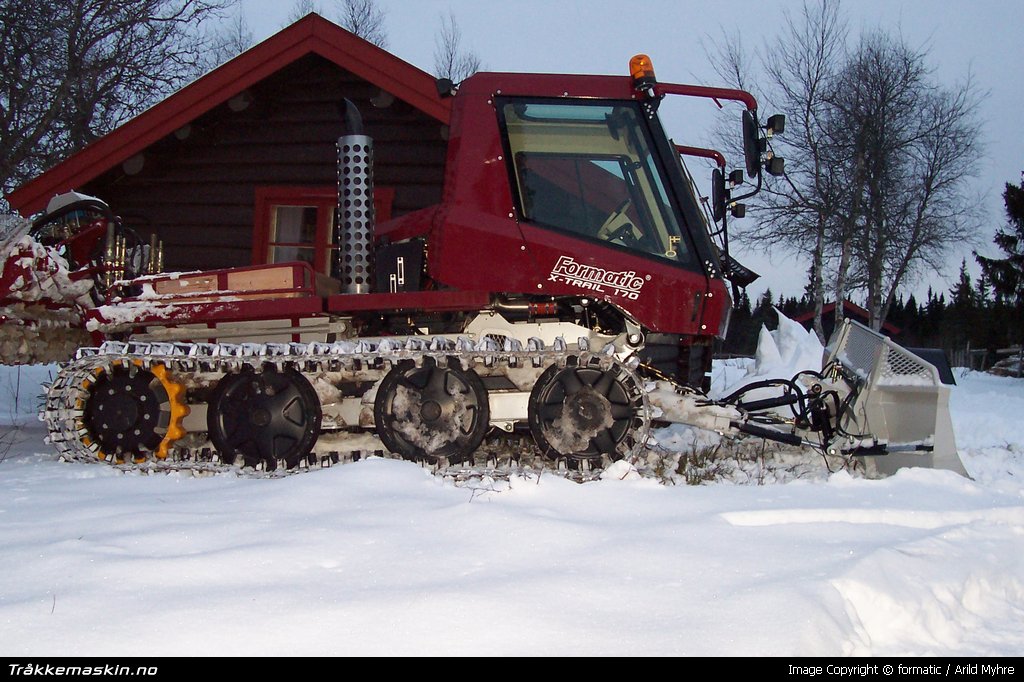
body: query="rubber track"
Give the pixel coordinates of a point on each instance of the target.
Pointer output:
(500, 457)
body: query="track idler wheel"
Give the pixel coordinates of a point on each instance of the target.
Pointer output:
(131, 412)
(265, 417)
(584, 412)
(432, 412)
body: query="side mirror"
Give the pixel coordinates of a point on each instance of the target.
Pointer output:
(776, 166)
(736, 177)
(751, 144)
(718, 195)
(739, 210)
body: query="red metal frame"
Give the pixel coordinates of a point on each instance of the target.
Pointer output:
(703, 152)
(170, 310)
(302, 275)
(176, 312)
(303, 285)
(298, 300)
(708, 93)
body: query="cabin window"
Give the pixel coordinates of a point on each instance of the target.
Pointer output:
(297, 224)
(295, 235)
(587, 167)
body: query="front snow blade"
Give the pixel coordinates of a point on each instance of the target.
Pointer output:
(900, 415)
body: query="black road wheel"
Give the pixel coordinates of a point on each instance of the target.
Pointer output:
(264, 417)
(584, 412)
(127, 413)
(431, 412)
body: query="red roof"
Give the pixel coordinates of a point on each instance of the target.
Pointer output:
(311, 34)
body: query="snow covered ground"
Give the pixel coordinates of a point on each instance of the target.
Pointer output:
(381, 557)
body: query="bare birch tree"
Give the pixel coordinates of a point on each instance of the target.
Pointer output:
(908, 148)
(878, 157)
(805, 205)
(229, 41)
(365, 19)
(451, 59)
(301, 8)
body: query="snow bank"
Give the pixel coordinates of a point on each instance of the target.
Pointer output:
(377, 555)
(781, 354)
(956, 587)
(986, 412)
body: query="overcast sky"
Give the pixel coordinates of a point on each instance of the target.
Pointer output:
(981, 38)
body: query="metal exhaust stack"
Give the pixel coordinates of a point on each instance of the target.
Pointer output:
(355, 213)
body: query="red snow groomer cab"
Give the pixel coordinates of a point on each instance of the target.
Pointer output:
(569, 265)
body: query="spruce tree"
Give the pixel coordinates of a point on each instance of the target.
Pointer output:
(1006, 275)
(960, 317)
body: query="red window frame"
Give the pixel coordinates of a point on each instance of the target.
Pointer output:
(324, 199)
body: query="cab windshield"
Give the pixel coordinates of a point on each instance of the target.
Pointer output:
(587, 168)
